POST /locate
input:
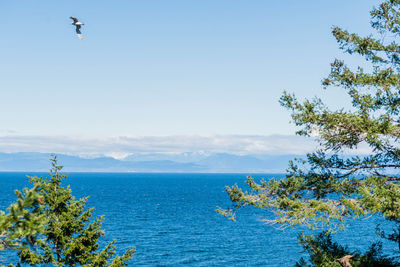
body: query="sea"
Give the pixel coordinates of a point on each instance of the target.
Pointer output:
(170, 218)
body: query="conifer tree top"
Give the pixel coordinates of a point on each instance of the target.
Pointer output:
(67, 234)
(328, 186)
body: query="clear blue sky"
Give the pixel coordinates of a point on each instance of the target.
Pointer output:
(165, 67)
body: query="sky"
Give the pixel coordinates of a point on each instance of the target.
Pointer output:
(164, 68)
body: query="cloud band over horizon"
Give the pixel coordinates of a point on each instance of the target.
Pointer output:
(122, 146)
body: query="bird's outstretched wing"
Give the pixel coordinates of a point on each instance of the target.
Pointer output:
(74, 19)
(78, 31)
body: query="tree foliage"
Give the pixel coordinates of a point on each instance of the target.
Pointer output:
(325, 253)
(23, 221)
(66, 234)
(329, 187)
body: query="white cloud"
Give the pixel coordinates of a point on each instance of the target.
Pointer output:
(122, 146)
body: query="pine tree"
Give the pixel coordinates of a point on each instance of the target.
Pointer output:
(330, 187)
(69, 236)
(23, 222)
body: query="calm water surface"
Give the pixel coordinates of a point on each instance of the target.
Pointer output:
(171, 221)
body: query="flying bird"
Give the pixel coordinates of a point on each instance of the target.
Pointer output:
(78, 26)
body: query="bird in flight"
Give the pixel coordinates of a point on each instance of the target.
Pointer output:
(78, 26)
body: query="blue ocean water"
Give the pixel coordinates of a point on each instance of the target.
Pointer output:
(171, 221)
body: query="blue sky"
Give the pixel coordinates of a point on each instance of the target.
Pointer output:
(165, 67)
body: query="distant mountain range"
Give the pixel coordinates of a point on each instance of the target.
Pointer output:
(150, 162)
